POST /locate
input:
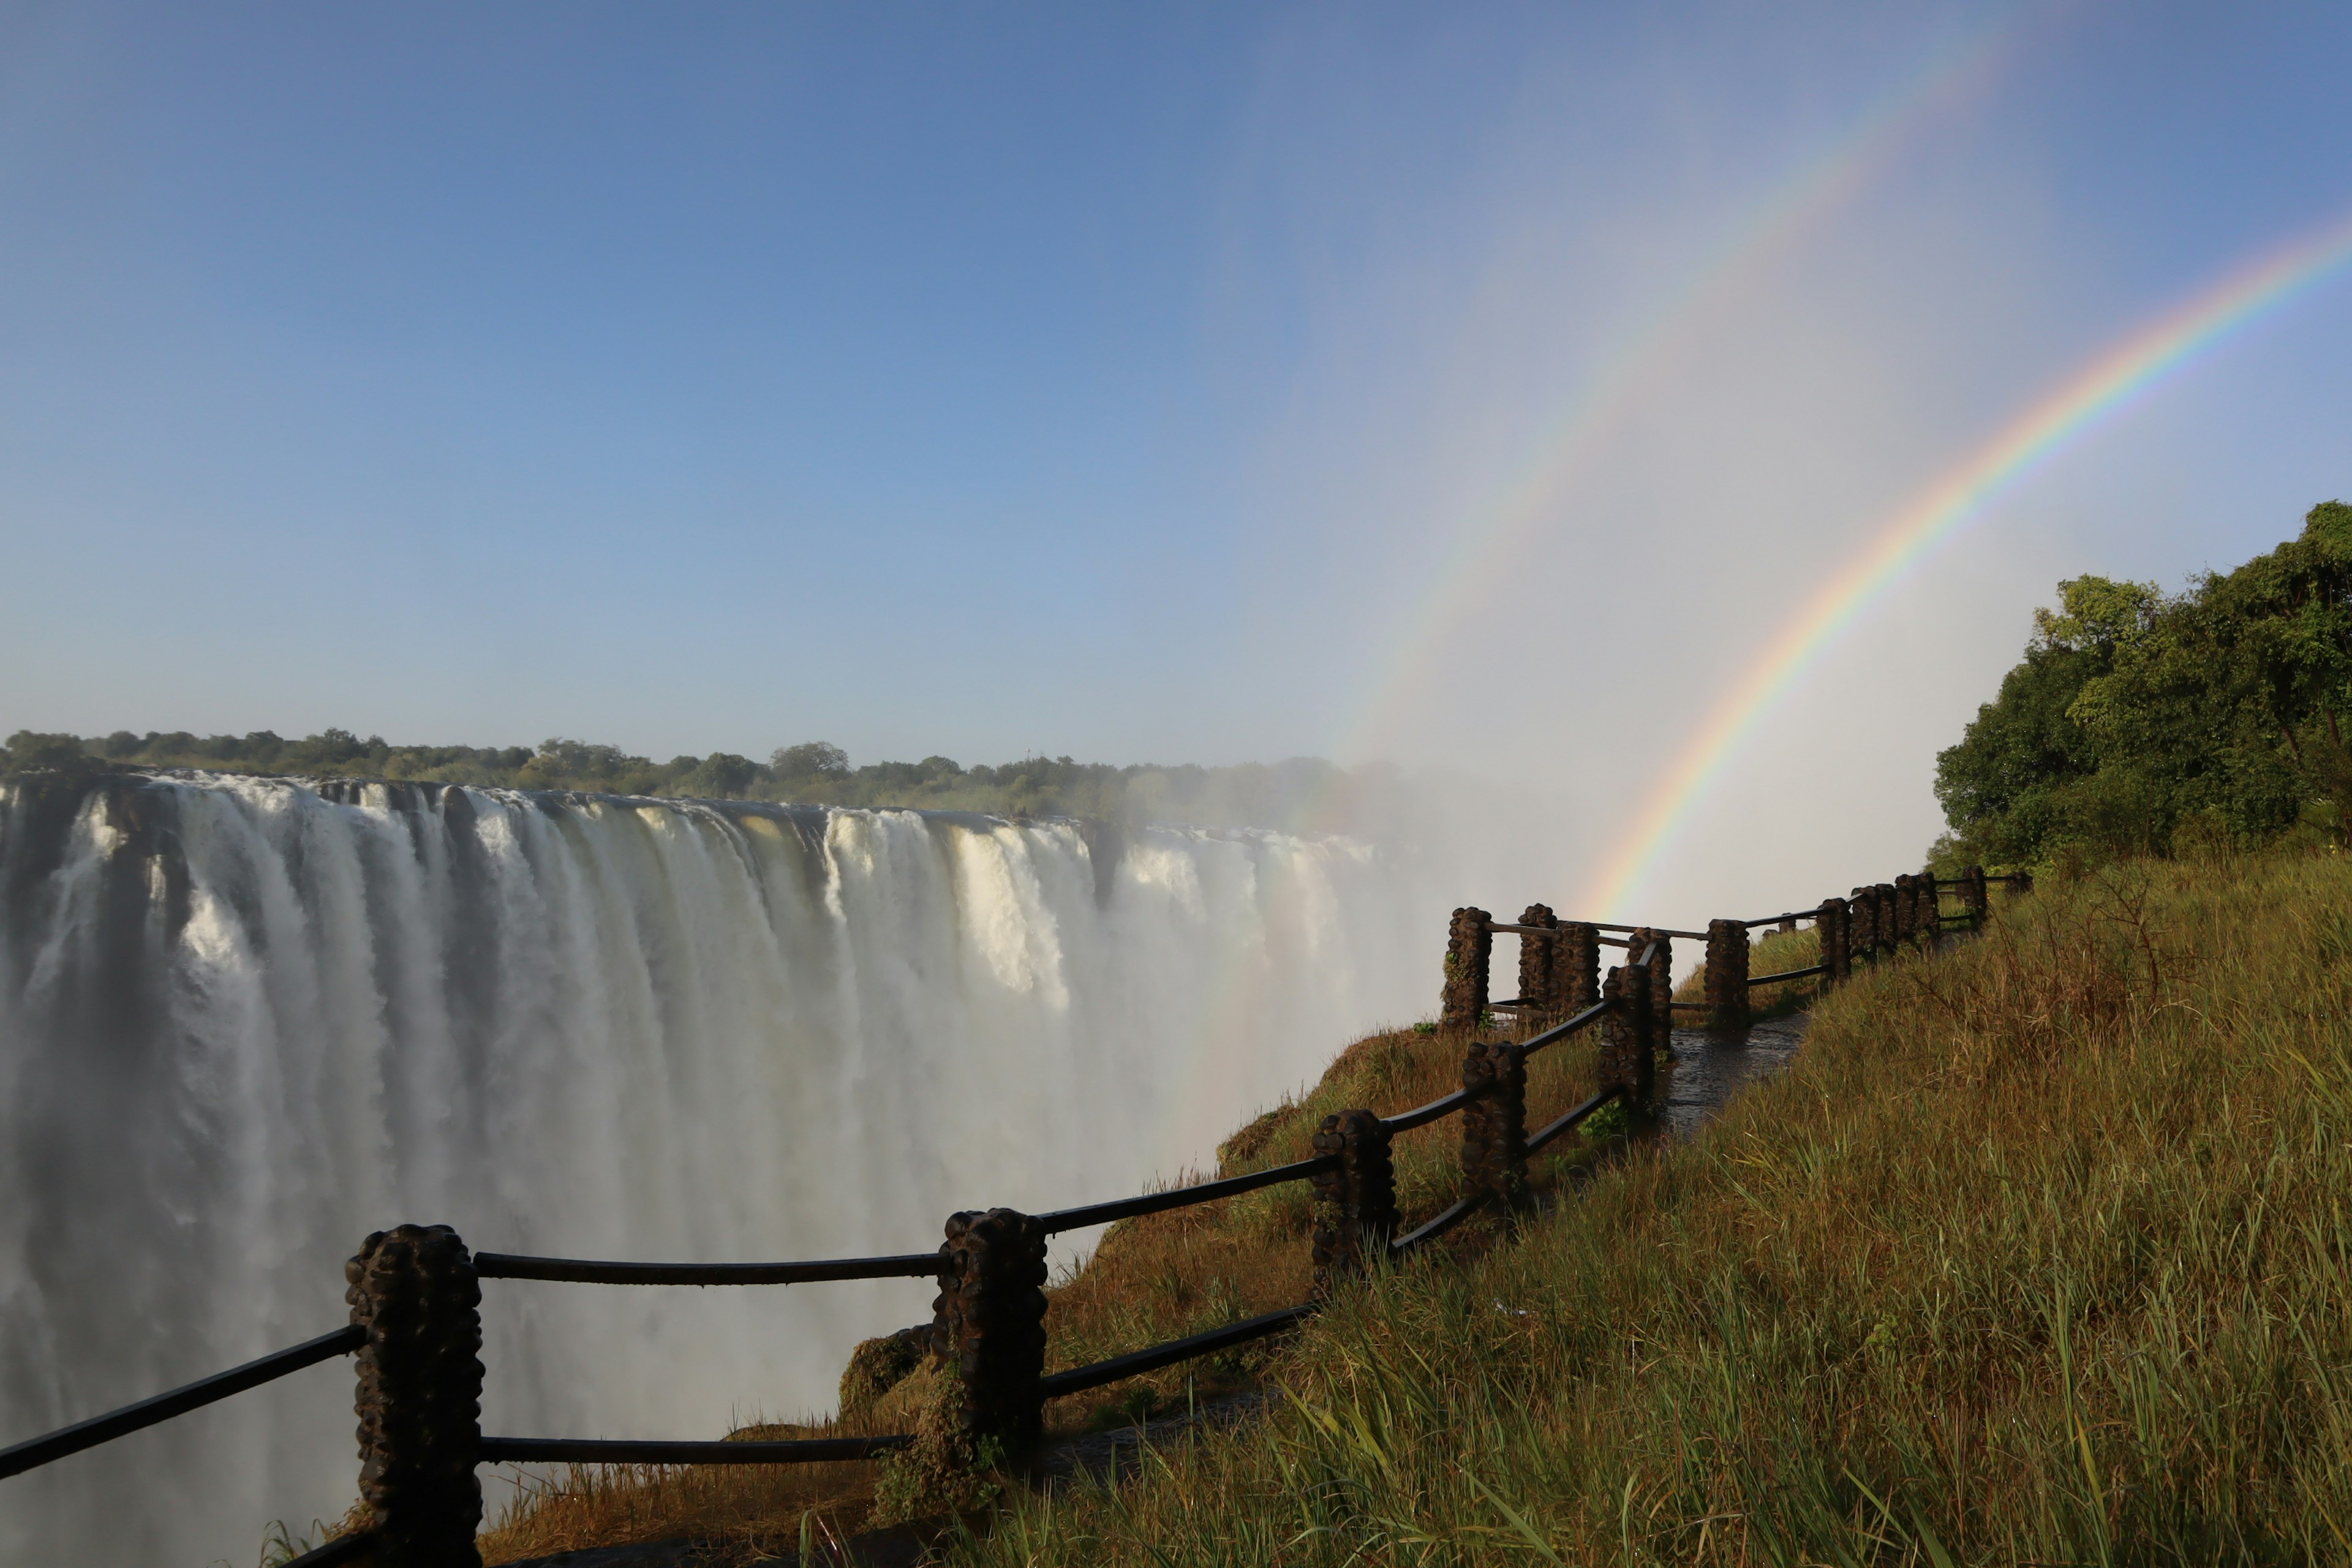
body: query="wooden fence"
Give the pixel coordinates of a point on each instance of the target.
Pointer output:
(415, 1291)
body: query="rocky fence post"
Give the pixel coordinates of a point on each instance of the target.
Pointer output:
(1355, 1205)
(989, 1324)
(1540, 966)
(1577, 971)
(1862, 922)
(1495, 1122)
(413, 1290)
(1726, 974)
(1833, 925)
(1931, 910)
(1891, 927)
(1661, 982)
(1469, 945)
(1975, 894)
(1627, 1043)
(1906, 911)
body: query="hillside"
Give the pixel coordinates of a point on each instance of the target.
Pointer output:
(2037, 1254)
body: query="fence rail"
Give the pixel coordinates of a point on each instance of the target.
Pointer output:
(415, 1290)
(1788, 975)
(89, 1433)
(635, 1451)
(1077, 1380)
(582, 1272)
(1181, 1197)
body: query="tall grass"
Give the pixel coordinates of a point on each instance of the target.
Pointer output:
(2040, 1252)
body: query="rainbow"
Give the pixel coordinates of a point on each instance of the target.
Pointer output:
(1773, 225)
(2110, 381)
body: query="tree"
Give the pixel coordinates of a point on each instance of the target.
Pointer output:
(721, 776)
(29, 751)
(2002, 786)
(811, 759)
(2133, 713)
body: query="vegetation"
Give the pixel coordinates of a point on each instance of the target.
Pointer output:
(2139, 724)
(2036, 1254)
(1303, 791)
(1149, 1280)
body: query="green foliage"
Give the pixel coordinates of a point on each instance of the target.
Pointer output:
(2133, 714)
(1302, 792)
(28, 752)
(944, 1471)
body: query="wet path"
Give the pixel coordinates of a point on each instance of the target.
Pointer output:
(1711, 1067)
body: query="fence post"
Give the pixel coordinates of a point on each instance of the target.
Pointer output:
(1540, 966)
(1469, 944)
(1578, 971)
(989, 1321)
(1862, 922)
(1495, 1122)
(1625, 1034)
(1931, 910)
(1890, 926)
(413, 1290)
(1974, 893)
(1726, 974)
(1661, 982)
(1906, 911)
(1355, 1205)
(1833, 925)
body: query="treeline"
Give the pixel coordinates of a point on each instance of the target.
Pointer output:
(2141, 723)
(1303, 792)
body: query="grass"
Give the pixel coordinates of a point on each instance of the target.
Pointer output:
(2040, 1252)
(1149, 1280)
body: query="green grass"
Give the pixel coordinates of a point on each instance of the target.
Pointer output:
(2042, 1252)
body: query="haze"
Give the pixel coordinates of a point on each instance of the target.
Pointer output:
(1477, 388)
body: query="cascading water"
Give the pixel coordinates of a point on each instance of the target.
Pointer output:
(245, 1022)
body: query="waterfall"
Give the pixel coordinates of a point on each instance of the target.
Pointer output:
(245, 1022)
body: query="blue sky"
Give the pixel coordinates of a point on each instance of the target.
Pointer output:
(1112, 381)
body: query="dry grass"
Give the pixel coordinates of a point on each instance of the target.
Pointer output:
(1168, 1275)
(741, 1512)
(2040, 1253)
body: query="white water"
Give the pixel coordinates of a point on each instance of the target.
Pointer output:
(242, 1025)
